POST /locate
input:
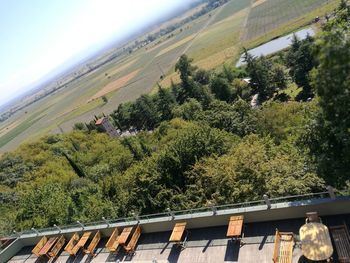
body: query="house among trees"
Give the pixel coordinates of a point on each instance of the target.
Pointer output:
(107, 126)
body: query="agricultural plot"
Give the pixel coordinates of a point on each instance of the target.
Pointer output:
(275, 13)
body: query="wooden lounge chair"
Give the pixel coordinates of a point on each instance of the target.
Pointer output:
(93, 244)
(130, 248)
(312, 217)
(283, 249)
(44, 251)
(112, 243)
(71, 244)
(176, 235)
(57, 247)
(39, 246)
(235, 227)
(124, 236)
(81, 243)
(341, 240)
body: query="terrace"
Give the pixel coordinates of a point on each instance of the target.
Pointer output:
(207, 227)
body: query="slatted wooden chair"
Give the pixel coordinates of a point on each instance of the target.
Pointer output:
(112, 243)
(81, 243)
(55, 250)
(71, 244)
(283, 247)
(177, 234)
(341, 240)
(93, 244)
(44, 251)
(39, 246)
(124, 236)
(235, 227)
(130, 248)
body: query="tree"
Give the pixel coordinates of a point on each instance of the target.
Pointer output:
(185, 68)
(144, 114)
(202, 76)
(221, 88)
(259, 72)
(165, 103)
(253, 167)
(329, 136)
(104, 99)
(301, 60)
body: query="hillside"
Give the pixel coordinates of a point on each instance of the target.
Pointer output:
(211, 40)
(198, 142)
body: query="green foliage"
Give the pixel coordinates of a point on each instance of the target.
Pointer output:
(221, 88)
(256, 166)
(329, 136)
(47, 205)
(301, 60)
(238, 118)
(189, 110)
(266, 78)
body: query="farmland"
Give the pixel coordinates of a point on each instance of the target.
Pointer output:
(211, 40)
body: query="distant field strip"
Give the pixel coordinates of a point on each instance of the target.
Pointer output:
(273, 13)
(258, 2)
(175, 45)
(122, 67)
(18, 130)
(117, 84)
(232, 7)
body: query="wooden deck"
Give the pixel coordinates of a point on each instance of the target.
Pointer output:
(204, 245)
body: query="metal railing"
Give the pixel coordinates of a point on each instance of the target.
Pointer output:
(188, 212)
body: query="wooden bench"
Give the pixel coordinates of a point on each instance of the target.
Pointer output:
(176, 235)
(71, 244)
(283, 249)
(112, 243)
(235, 227)
(130, 248)
(123, 238)
(81, 243)
(93, 244)
(39, 246)
(57, 247)
(341, 240)
(44, 251)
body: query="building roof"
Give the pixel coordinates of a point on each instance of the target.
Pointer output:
(99, 121)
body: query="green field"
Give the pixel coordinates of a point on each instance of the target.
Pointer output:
(211, 40)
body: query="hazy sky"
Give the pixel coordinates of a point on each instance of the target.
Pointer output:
(36, 36)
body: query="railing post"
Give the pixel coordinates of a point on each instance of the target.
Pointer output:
(106, 221)
(58, 228)
(331, 192)
(267, 201)
(136, 217)
(17, 234)
(213, 207)
(171, 213)
(36, 231)
(82, 226)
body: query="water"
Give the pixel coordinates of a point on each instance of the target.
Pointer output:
(276, 44)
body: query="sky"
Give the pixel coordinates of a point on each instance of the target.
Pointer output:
(37, 36)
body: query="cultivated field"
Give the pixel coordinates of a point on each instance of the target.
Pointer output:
(211, 40)
(268, 15)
